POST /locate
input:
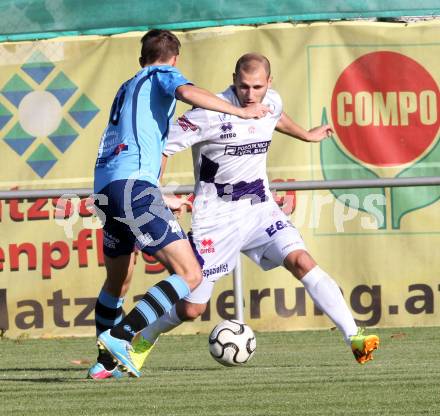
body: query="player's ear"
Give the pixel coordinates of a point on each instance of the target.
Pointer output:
(269, 82)
(234, 77)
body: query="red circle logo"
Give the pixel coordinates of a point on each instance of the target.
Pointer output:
(385, 108)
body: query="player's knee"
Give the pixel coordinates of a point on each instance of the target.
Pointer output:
(193, 277)
(299, 263)
(191, 311)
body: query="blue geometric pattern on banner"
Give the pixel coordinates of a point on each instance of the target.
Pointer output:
(15, 97)
(19, 145)
(83, 118)
(62, 94)
(62, 143)
(39, 69)
(4, 119)
(38, 74)
(41, 167)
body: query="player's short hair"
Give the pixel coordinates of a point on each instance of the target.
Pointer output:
(159, 45)
(250, 62)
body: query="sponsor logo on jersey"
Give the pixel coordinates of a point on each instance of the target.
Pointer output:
(185, 124)
(207, 246)
(102, 161)
(247, 149)
(251, 130)
(227, 128)
(222, 268)
(228, 135)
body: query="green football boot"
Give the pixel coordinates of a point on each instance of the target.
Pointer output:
(141, 350)
(363, 346)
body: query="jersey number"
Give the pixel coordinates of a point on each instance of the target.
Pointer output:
(115, 112)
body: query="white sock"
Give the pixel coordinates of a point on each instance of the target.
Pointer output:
(168, 321)
(328, 298)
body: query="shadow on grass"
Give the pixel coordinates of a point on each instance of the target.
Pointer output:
(227, 368)
(42, 380)
(33, 375)
(32, 369)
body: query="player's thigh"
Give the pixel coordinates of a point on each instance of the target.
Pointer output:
(118, 241)
(179, 257)
(152, 223)
(285, 241)
(217, 247)
(158, 233)
(273, 239)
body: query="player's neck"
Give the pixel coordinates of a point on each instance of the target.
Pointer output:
(171, 62)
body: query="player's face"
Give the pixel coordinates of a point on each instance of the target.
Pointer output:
(251, 87)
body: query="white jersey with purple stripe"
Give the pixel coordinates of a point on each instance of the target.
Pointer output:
(233, 210)
(229, 153)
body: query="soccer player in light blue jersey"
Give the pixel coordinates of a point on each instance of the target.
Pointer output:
(130, 204)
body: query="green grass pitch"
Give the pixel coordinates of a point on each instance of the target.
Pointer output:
(294, 373)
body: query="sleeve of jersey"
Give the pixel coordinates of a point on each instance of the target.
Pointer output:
(276, 103)
(189, 129)
(170, 80)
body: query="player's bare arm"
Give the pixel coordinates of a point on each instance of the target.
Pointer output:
(199, 97)
(287, 126)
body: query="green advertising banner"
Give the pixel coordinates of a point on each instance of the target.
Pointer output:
(375, 83)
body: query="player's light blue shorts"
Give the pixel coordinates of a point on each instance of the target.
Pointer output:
(134, 213)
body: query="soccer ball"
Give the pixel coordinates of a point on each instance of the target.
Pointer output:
(232, 343)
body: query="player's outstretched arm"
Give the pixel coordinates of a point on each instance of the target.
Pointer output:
(287, 126)
(199, 97)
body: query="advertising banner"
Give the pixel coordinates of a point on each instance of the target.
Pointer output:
(375, 83)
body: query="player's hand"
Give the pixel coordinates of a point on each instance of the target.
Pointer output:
(255, 110)
(177, 205)
(319, 133)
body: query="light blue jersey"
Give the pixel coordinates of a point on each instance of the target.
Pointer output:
(136, 134)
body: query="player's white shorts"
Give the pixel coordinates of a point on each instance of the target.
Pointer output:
(261, 231)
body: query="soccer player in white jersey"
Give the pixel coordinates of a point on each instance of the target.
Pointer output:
(234, 210)
(131, 205)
